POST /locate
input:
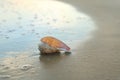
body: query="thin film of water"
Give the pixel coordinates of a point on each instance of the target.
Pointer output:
(24, 23)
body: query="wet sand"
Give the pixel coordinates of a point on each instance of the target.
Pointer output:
(99, 58)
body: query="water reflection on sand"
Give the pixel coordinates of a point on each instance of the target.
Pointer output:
(23, 23)
(24, 65)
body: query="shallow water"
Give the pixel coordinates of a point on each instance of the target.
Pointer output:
(24, 23)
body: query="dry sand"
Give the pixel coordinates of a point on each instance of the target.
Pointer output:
(100, 59)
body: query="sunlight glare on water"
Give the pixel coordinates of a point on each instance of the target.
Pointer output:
(24, 22)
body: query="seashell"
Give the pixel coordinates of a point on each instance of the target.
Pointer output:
(51, 45)
(46, 49)
(53, 42)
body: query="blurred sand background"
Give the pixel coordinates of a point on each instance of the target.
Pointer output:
(101, 53)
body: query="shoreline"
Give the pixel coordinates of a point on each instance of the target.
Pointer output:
(96, 58)
(101, 53)
(107, 22)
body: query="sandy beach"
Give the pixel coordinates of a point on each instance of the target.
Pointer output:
(101, 53)
(96, 58)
